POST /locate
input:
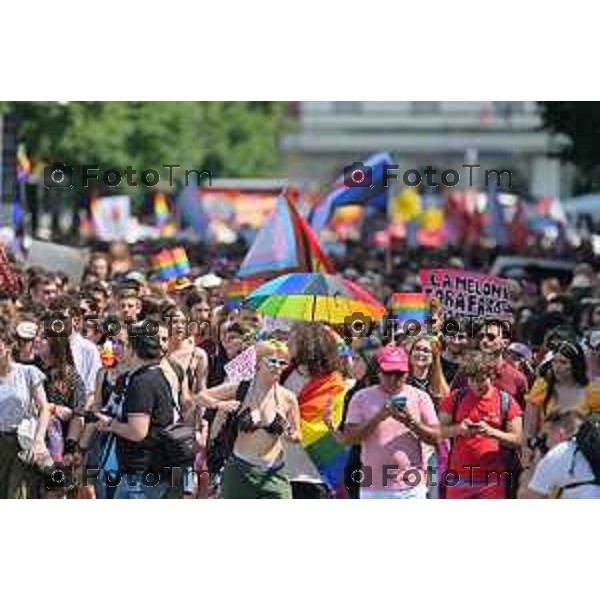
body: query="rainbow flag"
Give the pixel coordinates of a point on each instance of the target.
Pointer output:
(23, 164)
(171, 263)
(161, 209)
(238, 289)
(409, 306)
(321, 396)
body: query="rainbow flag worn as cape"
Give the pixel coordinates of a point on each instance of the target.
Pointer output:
(171, 263)
(409, 306)
(321, 396)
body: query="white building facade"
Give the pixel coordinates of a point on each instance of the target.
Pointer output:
(444, 135)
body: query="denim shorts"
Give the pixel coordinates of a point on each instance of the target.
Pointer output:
(131, 487)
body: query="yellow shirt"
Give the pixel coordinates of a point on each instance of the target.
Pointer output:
(589, 404)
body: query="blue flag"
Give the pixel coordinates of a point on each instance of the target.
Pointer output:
(366, 186)
(191, 212)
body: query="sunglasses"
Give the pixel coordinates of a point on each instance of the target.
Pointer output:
(490, 337)
(275, 363)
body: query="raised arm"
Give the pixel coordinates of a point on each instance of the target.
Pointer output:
(221, 397)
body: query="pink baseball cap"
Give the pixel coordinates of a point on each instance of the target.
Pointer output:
(392, 359)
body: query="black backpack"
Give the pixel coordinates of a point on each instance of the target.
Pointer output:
(512, 459)
(178, 441)
(587, 440)
(221, 447)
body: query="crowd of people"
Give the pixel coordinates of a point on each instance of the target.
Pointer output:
(116, 386)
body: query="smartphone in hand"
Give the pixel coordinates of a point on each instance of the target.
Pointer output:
(399, 402)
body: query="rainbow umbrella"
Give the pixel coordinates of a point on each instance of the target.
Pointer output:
(313, 297)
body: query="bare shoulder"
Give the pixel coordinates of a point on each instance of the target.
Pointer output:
(287, 395)
(200, 356)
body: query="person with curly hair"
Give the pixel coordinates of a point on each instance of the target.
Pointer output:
(482, 420)
(315, 363)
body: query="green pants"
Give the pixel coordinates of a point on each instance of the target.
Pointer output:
(17, 479)
(243, 480)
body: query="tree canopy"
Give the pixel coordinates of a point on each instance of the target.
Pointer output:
(581, 122)
(231, 139)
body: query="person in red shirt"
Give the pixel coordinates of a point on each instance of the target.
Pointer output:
(494, 338)
(483, 423)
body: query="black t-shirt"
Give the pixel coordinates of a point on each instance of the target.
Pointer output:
(216, 368)
(148, 392)
(450, 368)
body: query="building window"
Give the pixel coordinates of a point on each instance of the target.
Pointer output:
(347, 108)
(425, 108)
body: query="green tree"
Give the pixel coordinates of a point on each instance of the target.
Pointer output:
(232, 139)
(581, 122)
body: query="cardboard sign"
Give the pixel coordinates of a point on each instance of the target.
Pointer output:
(468, 294)
(242, 367)
(111, 217)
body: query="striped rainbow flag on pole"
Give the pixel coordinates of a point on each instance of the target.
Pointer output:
(171, 263)
(409, 306)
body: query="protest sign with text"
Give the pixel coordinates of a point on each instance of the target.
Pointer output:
(468, 294)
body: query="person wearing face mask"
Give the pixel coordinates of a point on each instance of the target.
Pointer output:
(149, 408)
(390, 420)
(482, 421)
(493, 341)
(98, 450)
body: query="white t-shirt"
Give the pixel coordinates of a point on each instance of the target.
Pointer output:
(16, 398)
(86, 357)
(554, 471)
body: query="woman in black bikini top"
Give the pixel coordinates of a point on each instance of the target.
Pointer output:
(246, 423)
(256, 467)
